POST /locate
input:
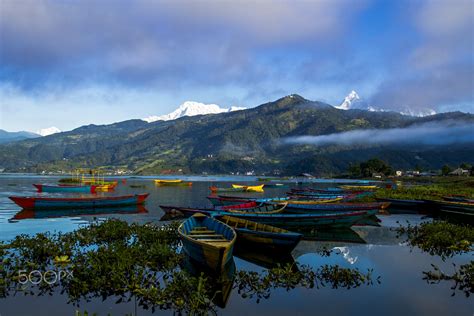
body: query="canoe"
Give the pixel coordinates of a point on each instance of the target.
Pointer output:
(404, 204)
(220, 200)
(323, 220)
(207, 240)
(215, 189)
(110, 184)
(65, 188)
(249, 188)
(168, 181)
(38, 203)
(190, 211)
(173, 182)
(184, 210)
(276, 185)
(55, 213)
(336, 207)
(316, 195)
(261, 235)
(358, 187)
(461, 199)
(309, 202)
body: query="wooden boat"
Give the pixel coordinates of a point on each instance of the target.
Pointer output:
(311, 202)
(261, 235)
(276, 185)
(172, 182)
(215, 189)
(207, 240)
(358, 187)
(220, 200)
(461, 199)
(190, 211)
(38, 203)
(65, 188)
(55, 213)
(185, 211)
(336, 207)
(404, 204)
(322, 220)
(249, 188)
(109, 184)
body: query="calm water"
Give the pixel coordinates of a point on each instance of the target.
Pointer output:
(401, 291)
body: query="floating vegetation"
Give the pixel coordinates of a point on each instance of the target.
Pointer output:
(141, 262)
(463, 278)
(251, 284)
(439, 238)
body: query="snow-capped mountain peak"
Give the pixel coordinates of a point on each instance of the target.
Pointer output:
(354, 101)
(191, 108)
(48, 131)
(348, 100)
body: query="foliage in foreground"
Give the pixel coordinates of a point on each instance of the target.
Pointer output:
(142, 262)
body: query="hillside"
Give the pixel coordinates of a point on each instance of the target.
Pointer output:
(234, 142)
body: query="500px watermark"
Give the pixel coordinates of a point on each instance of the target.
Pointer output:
(48, 277)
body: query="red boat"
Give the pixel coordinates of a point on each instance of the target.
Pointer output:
(81, 202)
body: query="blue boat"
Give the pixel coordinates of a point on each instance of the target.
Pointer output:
(207, 240)
(266, 237)
(65, 188)
(336, 207)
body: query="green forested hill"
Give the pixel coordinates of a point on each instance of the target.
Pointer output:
(232, 142)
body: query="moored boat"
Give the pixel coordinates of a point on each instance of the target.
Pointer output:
(78, 202)
(207, 240)
(249, 188)
(172, 182)
(336, 207)
(323, 220)
(316, 201)
(264, 236)
(358, 187)
(65, 188)
(259, 209)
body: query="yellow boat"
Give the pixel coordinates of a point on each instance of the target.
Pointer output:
(309, 202)
(168, 181)
(358, 187)
(249, 188)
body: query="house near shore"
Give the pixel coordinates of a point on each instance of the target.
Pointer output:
(459, 172)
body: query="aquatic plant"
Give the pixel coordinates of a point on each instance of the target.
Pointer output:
(439, 237)
(141, 262)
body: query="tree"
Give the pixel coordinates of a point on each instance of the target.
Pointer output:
(445, 170)
(465, 166)
(374, 165)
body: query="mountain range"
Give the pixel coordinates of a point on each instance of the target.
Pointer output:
(6, 137)
(240, 141)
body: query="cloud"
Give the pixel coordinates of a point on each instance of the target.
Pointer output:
(438, 69)
(436, 133)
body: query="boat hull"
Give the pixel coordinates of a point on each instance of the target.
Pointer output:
(65, 188)
(211, 255)
(339, 207)
(39, 203)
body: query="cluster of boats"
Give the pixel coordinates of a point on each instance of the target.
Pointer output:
(269, 224)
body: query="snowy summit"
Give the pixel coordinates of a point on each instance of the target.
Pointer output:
(348, 100)
(191, 108)
(48, 131)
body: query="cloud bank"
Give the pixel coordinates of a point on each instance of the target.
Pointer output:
(439, 133)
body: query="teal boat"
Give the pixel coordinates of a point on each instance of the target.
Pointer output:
(65, 188)
(207, 241)
(265, 237)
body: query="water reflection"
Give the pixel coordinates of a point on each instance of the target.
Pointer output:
(265, 259)
(32, 214)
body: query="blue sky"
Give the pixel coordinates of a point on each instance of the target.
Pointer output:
(69, 63)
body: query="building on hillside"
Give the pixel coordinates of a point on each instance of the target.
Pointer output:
(459, 172)
(398, 173)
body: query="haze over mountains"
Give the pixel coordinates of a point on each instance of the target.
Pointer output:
(251, 140)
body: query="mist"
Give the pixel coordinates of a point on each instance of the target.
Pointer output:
(438, 133)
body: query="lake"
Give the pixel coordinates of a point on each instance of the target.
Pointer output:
(401, 290)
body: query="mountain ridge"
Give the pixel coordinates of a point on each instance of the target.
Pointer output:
(236, 141)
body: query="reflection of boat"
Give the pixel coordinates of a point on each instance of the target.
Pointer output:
(263, 236)
(371, 220)
(65, 188)
(29, 214)
(459, 211)
(80, 202)
(265, 259)
(341, 235)
(221, 283)
(207, 240)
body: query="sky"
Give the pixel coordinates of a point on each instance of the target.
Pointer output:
(69, 63)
